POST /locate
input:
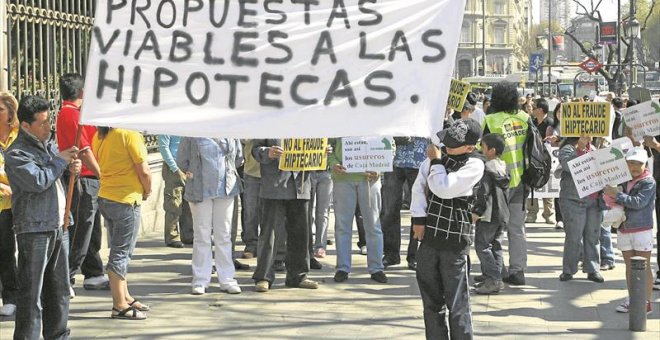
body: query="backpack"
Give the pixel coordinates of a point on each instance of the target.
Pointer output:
(536, 161)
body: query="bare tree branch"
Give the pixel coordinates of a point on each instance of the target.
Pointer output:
(653, 3)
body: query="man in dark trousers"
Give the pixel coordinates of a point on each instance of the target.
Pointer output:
(34, 167)
(85, 233)
(285, 197)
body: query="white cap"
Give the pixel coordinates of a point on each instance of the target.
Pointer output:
(637, 154)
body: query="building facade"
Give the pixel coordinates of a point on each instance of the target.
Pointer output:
(562, 11)
(506, 24)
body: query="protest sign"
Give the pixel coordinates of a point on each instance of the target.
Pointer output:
(589, 119)
(272, 69)
(551, 189)
(360, 154)
(304, 154)
(643, 119)
(458, 91)
(593, 171)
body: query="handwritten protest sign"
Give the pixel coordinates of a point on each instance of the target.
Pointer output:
(551, 189)
(643, 119)
(264, 69)
(304, 154)
(590, 119)
(360, 154)
(458, 91)
(593, 171)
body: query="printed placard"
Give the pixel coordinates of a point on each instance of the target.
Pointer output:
(304, 154)
(589, 119)
(593, 171)
(458, 91)
(643, 119)
(551, 189)
(360, 154)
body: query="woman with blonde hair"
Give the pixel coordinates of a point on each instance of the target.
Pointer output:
(8, 277)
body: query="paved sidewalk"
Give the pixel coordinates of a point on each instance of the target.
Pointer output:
(356, 309)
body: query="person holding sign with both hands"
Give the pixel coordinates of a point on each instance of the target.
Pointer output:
(582, 216)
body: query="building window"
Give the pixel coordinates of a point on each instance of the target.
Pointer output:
(465, 33)
(500, 7)
(500, 34)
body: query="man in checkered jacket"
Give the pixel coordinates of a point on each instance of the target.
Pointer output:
(442, 200)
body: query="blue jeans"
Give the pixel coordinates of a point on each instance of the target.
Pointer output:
(123, 222)
(346, 195)
(319, 207)
(43, 276)
(582, 221)
(488, 245)
(606, 250)
(251, 211)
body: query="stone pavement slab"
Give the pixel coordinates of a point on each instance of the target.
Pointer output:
(357, 309)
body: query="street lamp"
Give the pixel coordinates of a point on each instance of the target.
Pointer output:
(632, 31)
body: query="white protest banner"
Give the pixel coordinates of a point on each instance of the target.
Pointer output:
(272, 69)
(643, 119)
(551, 189)
(593, 171)
(360, 154)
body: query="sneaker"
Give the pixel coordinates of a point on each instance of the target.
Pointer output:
(390, 262)
(262, 286)
(8, 309)
(198, 290)
(656, 283)
(319, 253)
(549, 220)
(530, 220)
(480, 278)
(488, 287)
(379, 277)
(72, 293)
(363, 250)
(559, 225)
(232, 288)
(175, 244)
(605, 267)
(624, 306)
(97, 283)
(341, 276)
(308, 284)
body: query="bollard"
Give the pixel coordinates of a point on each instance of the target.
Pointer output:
(637, 309)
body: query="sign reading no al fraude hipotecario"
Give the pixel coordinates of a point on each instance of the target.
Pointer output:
(272, 68)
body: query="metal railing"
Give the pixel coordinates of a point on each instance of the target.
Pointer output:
(44, 40)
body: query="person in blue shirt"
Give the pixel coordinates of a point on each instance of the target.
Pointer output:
(178, 220)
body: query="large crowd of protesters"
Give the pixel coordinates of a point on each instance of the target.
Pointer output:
(465, 185)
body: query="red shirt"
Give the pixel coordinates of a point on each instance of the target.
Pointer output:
(67, 127)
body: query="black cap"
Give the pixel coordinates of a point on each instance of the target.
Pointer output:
(461, 132)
